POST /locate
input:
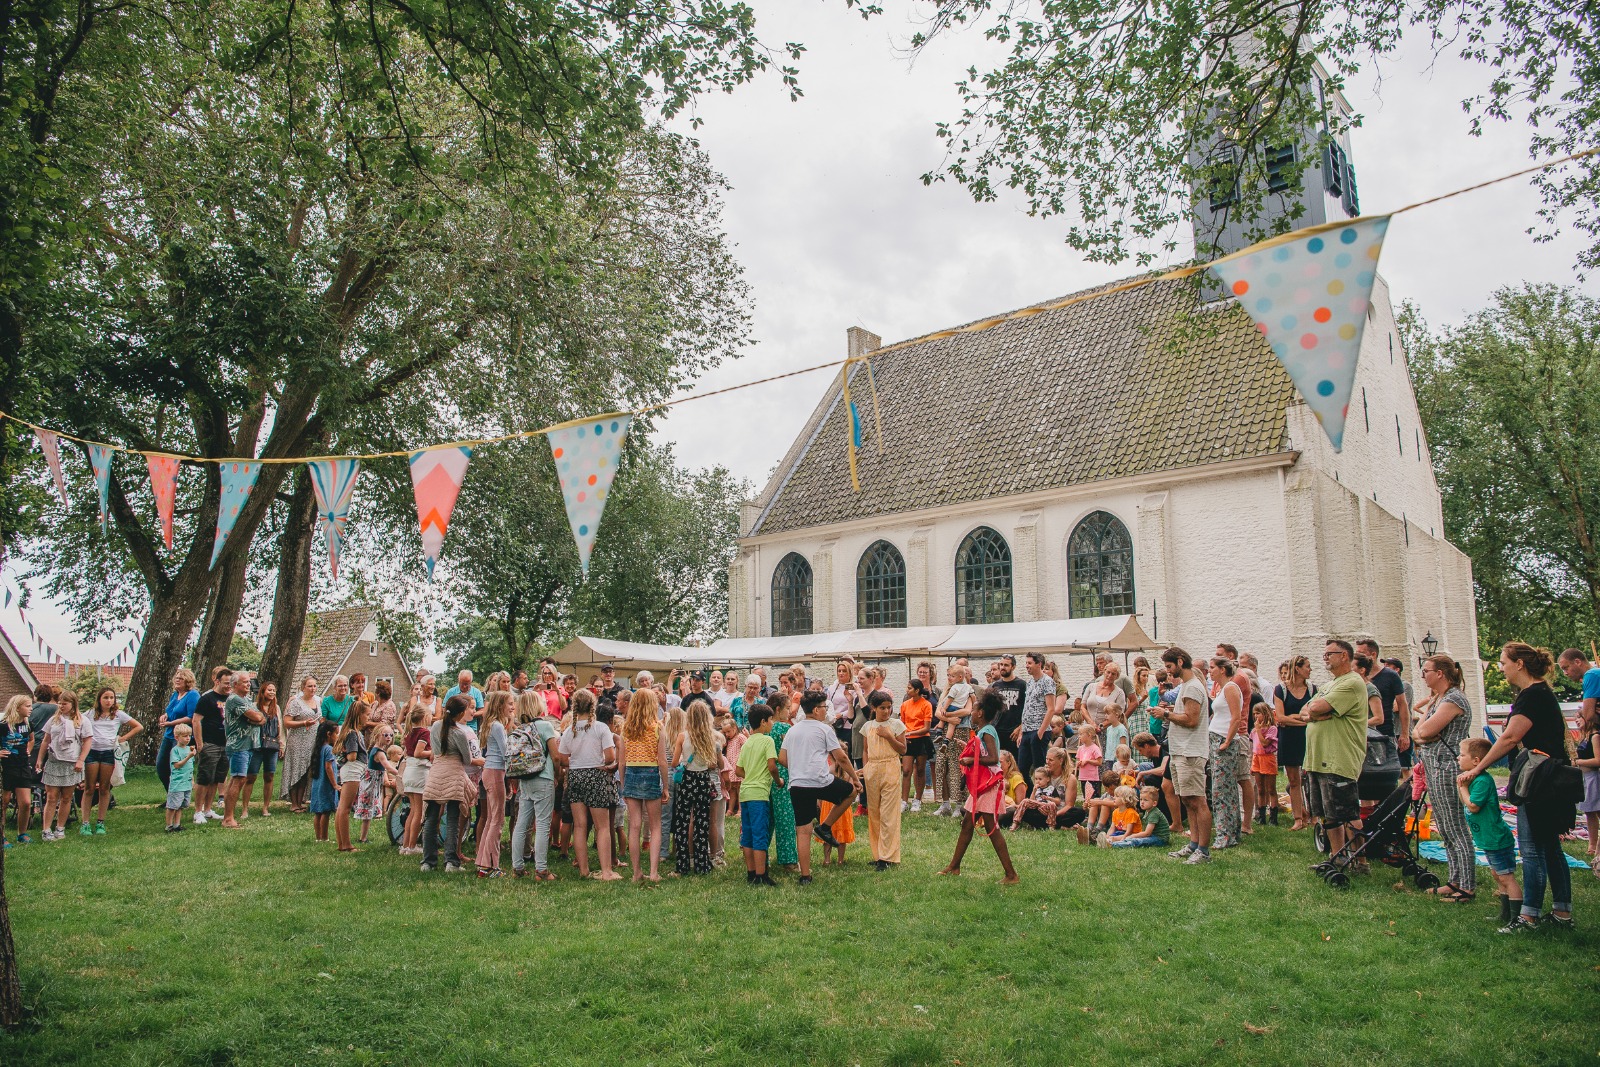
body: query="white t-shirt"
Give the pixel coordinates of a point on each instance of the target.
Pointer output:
(1190, 740)
(838, 695)
(809, 744)
(585, 749)
(105, 731)
(65, 739)
(723, 698)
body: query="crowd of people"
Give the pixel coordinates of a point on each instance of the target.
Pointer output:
(1185, 749)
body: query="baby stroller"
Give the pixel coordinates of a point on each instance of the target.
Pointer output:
(1384, 839)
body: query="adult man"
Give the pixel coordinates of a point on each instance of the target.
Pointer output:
(1011, 689)
(464, 686)
(211, 744)
(519, 682)
(1392, 691)
(242, 736)
(818, 770)
(1576, 666)
(1159, 775)
(1032, 736)
(1336, 745)
(697, 691)
(610, 690)
(1188, 748)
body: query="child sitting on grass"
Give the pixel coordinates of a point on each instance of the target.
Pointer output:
(1125, 771)
(181, 781)
(1153, 826)
(1490, 832)
(1038, 810)
(1089, 757)
(1117, 815)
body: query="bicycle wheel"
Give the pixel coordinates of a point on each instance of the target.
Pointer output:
(397, 820)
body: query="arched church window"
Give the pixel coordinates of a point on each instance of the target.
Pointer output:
(983, 578)
(881, 587)
(791, 596)
(1100, 568)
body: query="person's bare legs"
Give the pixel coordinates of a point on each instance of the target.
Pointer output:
(635, 833)
(248, 795)
(341, 818)
(1297, 799)
(1199, 821)
(580, 837)
(992, 828)
(102, 787)
(846, 805)
(413, 821)
(652, 812)
(802, 847)
(24, 798)
(230, 798)
(962, 841)
(602, 836)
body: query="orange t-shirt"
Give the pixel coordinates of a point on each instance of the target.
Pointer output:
(1125, 820)
(915, 715)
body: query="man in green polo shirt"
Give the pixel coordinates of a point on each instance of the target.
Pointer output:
(1336, 745)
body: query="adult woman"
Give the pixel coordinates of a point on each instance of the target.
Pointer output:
(180, 708)
(447, 791)
(1104, 692)
(1230, 752)
(499, 682)
(698, 753)
(590, 753)
(104, 723)
(1289, 699)
(740, 707)
(384, 712)
(300, 718)
(1446, 722)
(1535, 725)
(952, 729)
(425, 695)
(264, 758)
(552, 698)
(414, 774)
(336, 705)
(1139, 709)
(351, 744)
(492, 732)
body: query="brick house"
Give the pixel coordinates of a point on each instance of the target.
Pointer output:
(16, 675)
(345, 641)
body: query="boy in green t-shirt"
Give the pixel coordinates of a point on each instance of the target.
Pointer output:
(1489, 830)
(181, 782)
(1154, 825)
(756, 770)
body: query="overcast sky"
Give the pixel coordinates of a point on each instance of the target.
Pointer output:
(835, 229)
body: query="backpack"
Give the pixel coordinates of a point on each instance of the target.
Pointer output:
(525, 752)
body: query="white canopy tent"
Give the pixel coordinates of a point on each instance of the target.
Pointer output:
(1113, 633)
(628, 656)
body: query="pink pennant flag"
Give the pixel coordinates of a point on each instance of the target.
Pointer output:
(436, 477)
(50, 445)
(1309, 299)
(164, 484)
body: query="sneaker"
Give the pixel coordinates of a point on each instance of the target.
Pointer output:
(1559, 923)
(85, 830)
(451, 868)
(905, 806)
(879, 865)
(1519, 925)
(1103, 840)
(199, 818)
(944, 809)
(916, 805)
(492, 872)
(99, 829)
(766, 880)
(24, 839)
(1183, 853)
(426, 867)
(825, 835)
(749, 877)
(804, 879)
(1198, 856)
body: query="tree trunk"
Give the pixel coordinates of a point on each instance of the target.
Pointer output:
(282, 650)
(222, 616)
(10, 980)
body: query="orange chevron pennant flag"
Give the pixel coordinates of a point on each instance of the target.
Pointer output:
(100, 460)
(1309, 298)
(164, 484)
(436, 477)
(50, 445)
(238, 478)
(586, 458)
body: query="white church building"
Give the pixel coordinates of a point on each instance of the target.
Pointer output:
(1139, 453)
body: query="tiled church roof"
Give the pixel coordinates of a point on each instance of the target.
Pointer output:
(1128, 384)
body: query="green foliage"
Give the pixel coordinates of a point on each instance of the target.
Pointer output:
(1507, 400)
(86, 681)
(780, 977)
(243, 655)
(1099, 108)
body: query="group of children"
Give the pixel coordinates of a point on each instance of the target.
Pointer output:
(48, 743)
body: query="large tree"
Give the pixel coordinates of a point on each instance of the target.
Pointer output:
(1507, 399)
(1107, 111)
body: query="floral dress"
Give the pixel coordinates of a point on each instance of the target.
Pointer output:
(782, 806)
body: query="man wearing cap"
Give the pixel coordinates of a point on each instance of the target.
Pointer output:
(609, 689)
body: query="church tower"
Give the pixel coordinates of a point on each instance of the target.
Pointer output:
(1325, 191)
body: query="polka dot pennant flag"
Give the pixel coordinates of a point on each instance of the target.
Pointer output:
(1309, 298)
(333, 482)
(436, 477)
(50, 445)
(238, 478)
(100, 460)
(164, 484)
(586, 462)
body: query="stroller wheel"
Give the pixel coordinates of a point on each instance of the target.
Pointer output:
(1339, 879)
(1427, 880)
(1320, 837)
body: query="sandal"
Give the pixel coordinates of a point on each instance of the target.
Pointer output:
(1452, 894)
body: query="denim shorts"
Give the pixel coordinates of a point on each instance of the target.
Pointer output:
(263, 759)
(1501, 860)
(239, 763)
(641, 783)
(755, 824)
(177, 799)
(107, 756)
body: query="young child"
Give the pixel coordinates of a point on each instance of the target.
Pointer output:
(757, 767)
(1124, 816)
(1115, 734)
(985, 800)
(1490, 833)
(1089, 757)
(916, 715)
(370, 801)
(1264, 763)
(391, 780)
(60, 763)
(1153, 827)
(1125, 771)
(1038, 811)
(16, 776)
(325, 779)
(181, 781)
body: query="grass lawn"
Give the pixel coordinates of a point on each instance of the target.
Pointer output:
(259, 947)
